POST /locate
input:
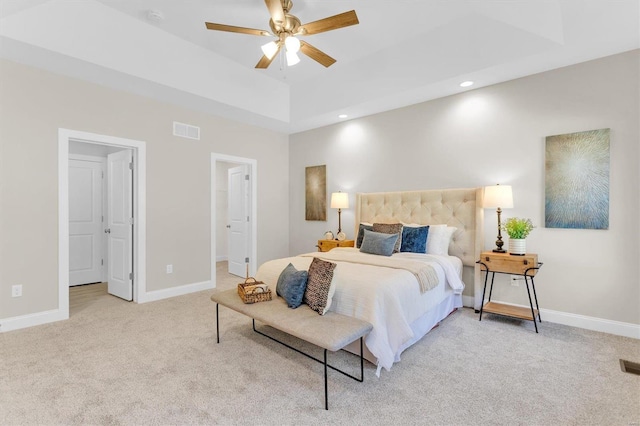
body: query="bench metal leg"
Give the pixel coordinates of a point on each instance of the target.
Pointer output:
(324, 362)
(326, 390)
(217, 324)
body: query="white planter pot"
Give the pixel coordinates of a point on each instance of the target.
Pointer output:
(517, 247)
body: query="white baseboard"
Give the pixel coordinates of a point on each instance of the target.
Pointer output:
(39, 318)
(590, 323)
(152, 296)
(468, 301)
(31, 320)
(222, 258)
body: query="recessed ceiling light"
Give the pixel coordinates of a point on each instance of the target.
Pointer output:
(155, 16)
(343, 116)
(466, 83)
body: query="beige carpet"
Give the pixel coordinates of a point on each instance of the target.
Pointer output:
(115, 362)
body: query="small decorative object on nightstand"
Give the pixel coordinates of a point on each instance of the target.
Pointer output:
(526, 265)
(518, 229)
(326, 245)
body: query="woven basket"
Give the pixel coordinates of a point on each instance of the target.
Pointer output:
(255, 296)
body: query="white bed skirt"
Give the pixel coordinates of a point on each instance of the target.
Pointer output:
(420, 327)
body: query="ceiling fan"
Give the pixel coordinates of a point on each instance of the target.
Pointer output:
(286, 27)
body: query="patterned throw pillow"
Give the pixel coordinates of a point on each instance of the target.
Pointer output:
(320, 290)
(291, 285)
(361, 229)
(390, 228)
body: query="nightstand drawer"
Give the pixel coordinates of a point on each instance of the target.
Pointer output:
(326, 245)
(509, 264)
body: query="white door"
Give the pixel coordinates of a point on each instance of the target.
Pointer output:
(120, 224)
(85, 221)
(239, 220)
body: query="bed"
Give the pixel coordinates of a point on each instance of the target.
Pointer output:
(392, 293)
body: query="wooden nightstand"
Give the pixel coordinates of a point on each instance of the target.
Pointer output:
(326, 245)
(504, 263)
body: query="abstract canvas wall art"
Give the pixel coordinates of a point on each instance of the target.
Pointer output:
(315, 186)
(577, 180)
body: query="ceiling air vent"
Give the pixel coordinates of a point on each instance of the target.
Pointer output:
(186, 131)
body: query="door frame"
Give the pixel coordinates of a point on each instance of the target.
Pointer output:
(253, 167)
(139, 210)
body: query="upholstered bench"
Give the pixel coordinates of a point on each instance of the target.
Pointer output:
(331, 331)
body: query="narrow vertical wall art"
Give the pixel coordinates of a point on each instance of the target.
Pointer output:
(316, 193)
(577, 180)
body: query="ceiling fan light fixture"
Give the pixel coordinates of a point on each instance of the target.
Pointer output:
(292, 44)
(292, 58)
(270, 49)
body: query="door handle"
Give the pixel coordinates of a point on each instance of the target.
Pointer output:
(107, 231)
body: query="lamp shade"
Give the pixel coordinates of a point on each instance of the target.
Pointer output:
(270, 49)
(292, 44)
(498, 196)
(339, 200)
(292, 58)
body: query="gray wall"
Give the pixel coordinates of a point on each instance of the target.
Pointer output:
(497, 135)
(35, 103)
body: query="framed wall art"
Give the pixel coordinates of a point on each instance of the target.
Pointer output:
(315, 186)
(577, 180)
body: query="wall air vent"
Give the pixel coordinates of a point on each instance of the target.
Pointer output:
(186, 131)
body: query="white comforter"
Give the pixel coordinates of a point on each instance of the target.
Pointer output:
(389, 298)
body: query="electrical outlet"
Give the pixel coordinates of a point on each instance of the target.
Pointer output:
(169, 269)
(16, 290)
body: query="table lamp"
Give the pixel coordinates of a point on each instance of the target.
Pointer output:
(498, 197)
(339, 200)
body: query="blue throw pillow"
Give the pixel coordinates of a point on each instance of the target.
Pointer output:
(414, 240)
(361, 233)
(291, 285)
(378, 243)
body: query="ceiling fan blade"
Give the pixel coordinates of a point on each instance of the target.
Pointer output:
(275, 10)
(232, 29)
(316, 54)
(331, 23)
(264, 62)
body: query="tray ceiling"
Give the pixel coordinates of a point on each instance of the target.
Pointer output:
(401, 53)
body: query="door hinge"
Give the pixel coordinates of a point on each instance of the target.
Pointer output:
(102, 218)
(131, 221)
(246, 177)
(130, 275)
(247, 218)
(102, 175)
(102, 262)
(131, 166)
(246, 260)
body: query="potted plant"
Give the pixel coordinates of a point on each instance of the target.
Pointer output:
(518, 229)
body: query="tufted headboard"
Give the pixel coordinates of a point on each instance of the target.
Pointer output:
(461, 208)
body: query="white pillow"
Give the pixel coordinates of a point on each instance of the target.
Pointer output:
(439, 238)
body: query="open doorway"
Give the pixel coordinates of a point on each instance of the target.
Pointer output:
(100, 217)
(121, 256)
(233, 214)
